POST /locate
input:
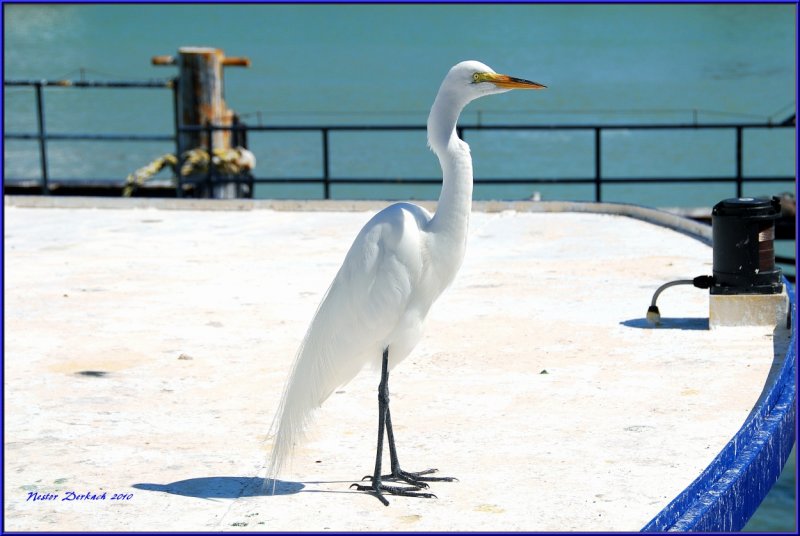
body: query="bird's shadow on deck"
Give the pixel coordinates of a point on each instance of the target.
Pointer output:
(234, 487)
(694, 324)
(224, 487)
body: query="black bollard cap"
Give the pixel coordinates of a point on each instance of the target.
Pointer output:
(749, 207)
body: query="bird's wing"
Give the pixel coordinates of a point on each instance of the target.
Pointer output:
(368, 296)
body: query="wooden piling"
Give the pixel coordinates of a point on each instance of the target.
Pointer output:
(201, 100)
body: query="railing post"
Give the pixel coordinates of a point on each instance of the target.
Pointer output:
(41, 135)
(739, 176)
(210, 179)
(178, 134)
(326, 172)
(597, 165)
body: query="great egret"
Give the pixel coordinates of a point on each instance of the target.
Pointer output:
(398, 265)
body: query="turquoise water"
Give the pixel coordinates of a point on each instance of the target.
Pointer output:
(383, 64)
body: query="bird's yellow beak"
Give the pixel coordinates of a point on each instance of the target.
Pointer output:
(506, 82)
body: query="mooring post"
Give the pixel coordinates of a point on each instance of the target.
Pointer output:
(200, 102)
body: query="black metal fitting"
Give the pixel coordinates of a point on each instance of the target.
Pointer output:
(743, 236)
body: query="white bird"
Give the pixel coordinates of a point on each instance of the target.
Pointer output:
(398, 265)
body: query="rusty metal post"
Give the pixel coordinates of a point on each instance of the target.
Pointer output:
(200, 100)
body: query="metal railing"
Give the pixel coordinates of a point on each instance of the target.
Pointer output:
(43, 136)
(597, 179)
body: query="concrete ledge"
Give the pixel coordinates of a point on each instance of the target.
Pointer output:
(672, 221)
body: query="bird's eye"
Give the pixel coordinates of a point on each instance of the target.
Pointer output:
(476, 78)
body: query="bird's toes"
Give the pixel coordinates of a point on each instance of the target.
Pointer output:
(409, 480)
(426, 472)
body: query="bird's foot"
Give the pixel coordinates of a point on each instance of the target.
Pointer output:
(422, 476)
(378, 488)
(418, 478)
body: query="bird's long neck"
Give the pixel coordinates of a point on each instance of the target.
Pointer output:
(455, 200)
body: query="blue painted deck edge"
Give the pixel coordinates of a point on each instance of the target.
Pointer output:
(729, 490)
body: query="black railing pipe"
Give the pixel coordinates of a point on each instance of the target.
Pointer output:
(739, 175)
(178, 149)
(598, 177)
(85, 137)
(41, 136)
(326, 166)
(91, 83)
(210, 177)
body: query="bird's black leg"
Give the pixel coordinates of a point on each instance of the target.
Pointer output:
(377, 486)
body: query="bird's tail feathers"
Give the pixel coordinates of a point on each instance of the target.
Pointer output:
(315, 375)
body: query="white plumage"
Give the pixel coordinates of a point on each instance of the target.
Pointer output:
(398, 265)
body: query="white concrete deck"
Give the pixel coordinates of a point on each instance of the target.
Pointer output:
(146, 350)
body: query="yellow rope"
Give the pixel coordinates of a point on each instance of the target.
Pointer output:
(233, 161)
(138, 177)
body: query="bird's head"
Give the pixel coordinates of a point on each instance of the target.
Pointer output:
(473, 79)
(464, 83)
